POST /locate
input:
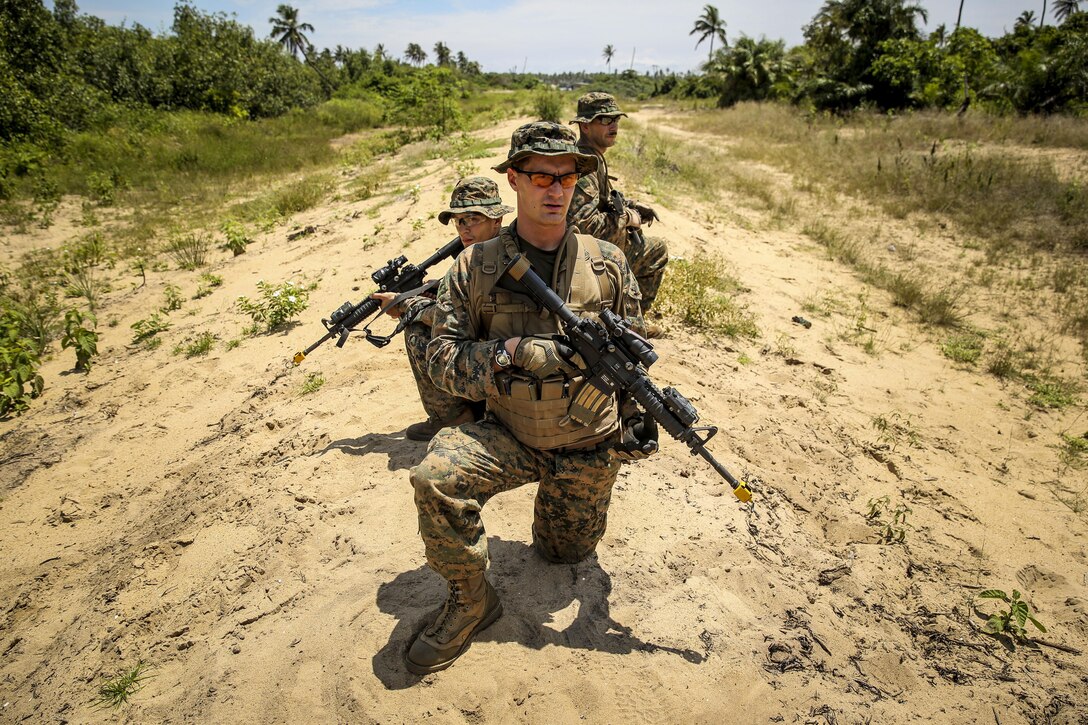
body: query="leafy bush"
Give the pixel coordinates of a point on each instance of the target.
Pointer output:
(548, 105)
(277, 305)
(19, 378)
(78, 337)
(1010, 622)
(700, 294)
(237, 238)
(145, 330)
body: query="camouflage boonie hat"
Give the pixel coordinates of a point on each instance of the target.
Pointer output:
(545, 138)
(596, 104)
(475, 195)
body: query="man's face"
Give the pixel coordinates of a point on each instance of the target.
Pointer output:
(473, 227)
(542, 205)
(600, 134)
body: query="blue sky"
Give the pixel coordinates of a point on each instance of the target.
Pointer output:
(543, 36)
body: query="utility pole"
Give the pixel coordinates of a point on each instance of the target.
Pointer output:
(632, 59)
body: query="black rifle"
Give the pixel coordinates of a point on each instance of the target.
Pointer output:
(616, 358)
(397, 276)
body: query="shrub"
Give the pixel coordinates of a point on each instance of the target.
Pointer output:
(277, 305)
(189, 251)
(78, 337)
(144, 330)
(548, 105)
(700, 294)
(19, 378)
(235, 233)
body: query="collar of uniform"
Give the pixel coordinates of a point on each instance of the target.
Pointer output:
(564, 253)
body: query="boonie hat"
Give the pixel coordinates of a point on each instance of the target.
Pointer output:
(545, 138)
(596, 104)
(476, 194)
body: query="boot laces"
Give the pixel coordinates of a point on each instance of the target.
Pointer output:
(454, 604)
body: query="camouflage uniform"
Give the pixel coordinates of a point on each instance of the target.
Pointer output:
(591, 210)
(466, 465)
(479, 195)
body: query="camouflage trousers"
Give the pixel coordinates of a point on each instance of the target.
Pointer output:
(647, 257)
(467, 465)
(439, 404)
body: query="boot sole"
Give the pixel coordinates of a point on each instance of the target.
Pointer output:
(486, 622)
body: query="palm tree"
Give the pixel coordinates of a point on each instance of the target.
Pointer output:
(609, 51)
(441, 53)
(1064, 8)
(709, 25)
(959, 15)
(1027, 18)
(415, 54)
(1043, 16)
(289, 31)
(379, 52)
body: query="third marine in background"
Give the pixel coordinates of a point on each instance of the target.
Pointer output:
(477, 211)
(599, 210)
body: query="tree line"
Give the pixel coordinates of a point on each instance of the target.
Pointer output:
(873, 53)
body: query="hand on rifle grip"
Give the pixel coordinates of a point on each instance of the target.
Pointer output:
(639, 439)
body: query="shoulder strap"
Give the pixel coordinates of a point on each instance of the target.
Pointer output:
(588, 246)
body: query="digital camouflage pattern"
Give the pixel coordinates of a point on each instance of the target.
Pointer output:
(594, 104)
(467, 465)
(591, 213)
(440, 405)
(476, 194)
(546, 138)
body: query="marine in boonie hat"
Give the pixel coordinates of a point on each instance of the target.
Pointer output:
(596, 104)
(475, 195)
(546, 138)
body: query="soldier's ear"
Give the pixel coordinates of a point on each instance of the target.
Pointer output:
(511, 178)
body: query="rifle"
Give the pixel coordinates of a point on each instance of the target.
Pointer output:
(616, 358)
(396, 276)
(617, 203)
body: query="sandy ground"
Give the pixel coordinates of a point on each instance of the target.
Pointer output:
(257, 548)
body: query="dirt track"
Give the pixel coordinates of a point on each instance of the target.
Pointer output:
(258, 548)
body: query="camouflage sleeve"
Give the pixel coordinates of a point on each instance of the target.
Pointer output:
(419, 309)
(629, 300)
(457, 360)
(586, 215)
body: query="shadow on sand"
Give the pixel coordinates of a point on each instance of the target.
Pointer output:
(403, 453)
(532, 590)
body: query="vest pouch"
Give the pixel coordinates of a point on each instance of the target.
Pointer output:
(544, 424)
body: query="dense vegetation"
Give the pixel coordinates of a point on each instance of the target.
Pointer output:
(122, 116)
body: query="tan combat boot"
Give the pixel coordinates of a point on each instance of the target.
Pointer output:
(471, 606)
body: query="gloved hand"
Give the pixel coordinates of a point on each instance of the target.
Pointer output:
(546, 356)
(639, 438)
(631, 218)
(646, 213)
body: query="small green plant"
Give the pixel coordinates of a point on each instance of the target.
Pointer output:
(312, 383)
(415, 192)
(196, 346)
(189, 251)
(208, 282)
(79, 338)
(277, 305)
(894, 428)
(1010, 622)
(1048, 392)
(82, 283)
(418, 224)
(891, 522)
(548, 105)
(19, 361)
(701, 294)
(963, 347)
(116, 692)
(232, 343)
(144, 330)
(236, 236)
(1074, 451)
(172, 299)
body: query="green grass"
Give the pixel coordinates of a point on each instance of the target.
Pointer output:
(700, 294)
(963, 347)
(312, 383)
(117, 691)
(197, 346)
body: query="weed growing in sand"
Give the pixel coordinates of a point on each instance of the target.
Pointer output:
(702, 295)
(79, 338)
(19, 361)
(232, 343)
(83, 283)
(117, 691)
(196, 346)
(236, 237)
(277, 305)
(171, 299)
(1073, 452)
(312, 383)
(963, 347)
(891, 522)
(208, 282)
(189, 251)
(1049, 392)
(894, 428)
(144, 330)
(1010, 622)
